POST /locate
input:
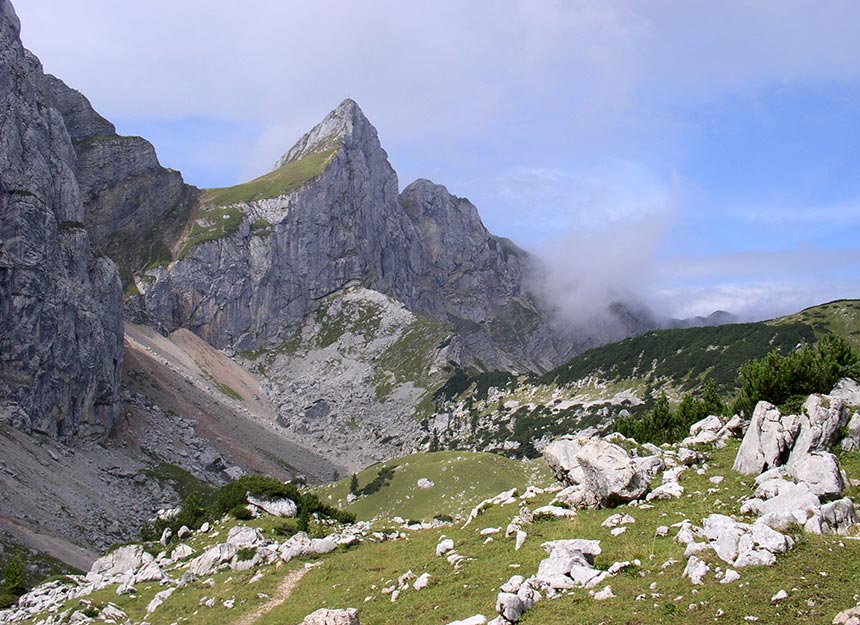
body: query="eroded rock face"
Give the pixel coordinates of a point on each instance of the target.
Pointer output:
(769, 440)
(560, 456)
(774, 440)
(60, 303)
(134, 207)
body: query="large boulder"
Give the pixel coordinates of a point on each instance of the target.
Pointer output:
(577, 497)
(848, 391)
(610, 472)
(125, 559)
(277, 507)
(769, 440)
(820, 470)
(560, 456)
(210, 560)
(244, 536)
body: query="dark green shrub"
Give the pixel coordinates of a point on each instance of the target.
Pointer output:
(383, 478)
(353, 484)
(661, 424)
(245, 553)
(284, 529)
(241, 512)
(16, 582)
(231, 495)
(7, 600)
(444, 518)
(783, 380)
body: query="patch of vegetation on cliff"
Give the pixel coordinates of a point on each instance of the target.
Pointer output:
(210, 225)
(261, 227)
(229, 391)
(282, 181)
(338, 315)
(410, 358)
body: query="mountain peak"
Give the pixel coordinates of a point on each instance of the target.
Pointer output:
(341, 125)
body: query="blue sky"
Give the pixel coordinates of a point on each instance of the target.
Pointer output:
(702, 155)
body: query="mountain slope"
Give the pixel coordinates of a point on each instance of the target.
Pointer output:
(518, 414)
(134, 208)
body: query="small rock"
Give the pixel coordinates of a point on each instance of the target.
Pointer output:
(779, 596)
(604, 594)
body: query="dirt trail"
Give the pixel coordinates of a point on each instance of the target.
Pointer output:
(282, 593)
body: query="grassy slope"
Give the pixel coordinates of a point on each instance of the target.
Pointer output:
(840, 317)
(285, 179)
(348, 577)
(456, 487)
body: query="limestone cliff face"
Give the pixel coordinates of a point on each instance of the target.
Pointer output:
(60, 304)
(259, 257)
(134, 207)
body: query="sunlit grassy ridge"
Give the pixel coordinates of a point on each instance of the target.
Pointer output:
(840, 317)
(821, 574)
(281, 181)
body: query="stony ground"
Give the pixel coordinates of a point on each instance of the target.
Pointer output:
(642, 567)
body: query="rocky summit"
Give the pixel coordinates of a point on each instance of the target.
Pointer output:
(261, 256)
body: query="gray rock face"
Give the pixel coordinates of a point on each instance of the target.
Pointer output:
(60, 308)
(611, 473)
(820, 470)
(134, 207)
(424, 247)
(768, 441)
(560, 456)
(773, 440)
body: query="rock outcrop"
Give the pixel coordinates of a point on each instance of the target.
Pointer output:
(135, 209)
(773, 439)
(60, 303)
(597, 472)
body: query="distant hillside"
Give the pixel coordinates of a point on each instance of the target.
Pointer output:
(517, 415)
(840, 317)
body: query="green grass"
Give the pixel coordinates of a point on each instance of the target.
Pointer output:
(347, 578)
(229, 391)
(456, 490)
(353, 316)
(840, 317)
(282, 181)
(183, 482)
(212, 224)
(410, 359)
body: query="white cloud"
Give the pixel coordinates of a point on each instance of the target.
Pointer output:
(448, 73)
